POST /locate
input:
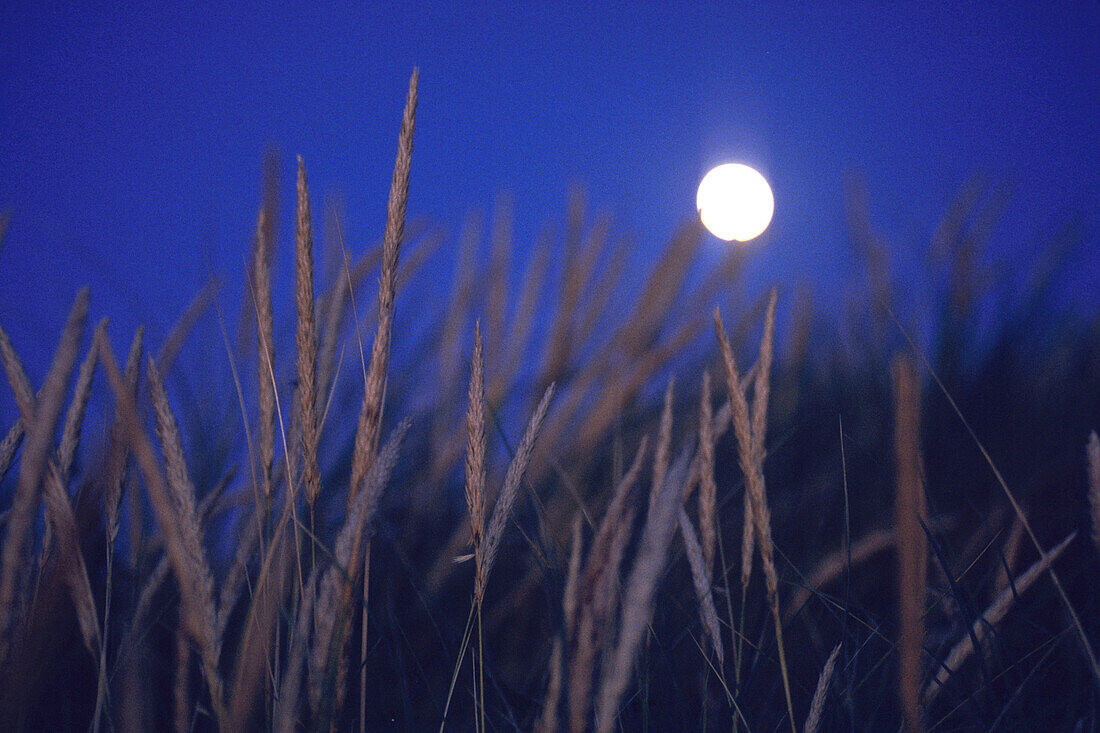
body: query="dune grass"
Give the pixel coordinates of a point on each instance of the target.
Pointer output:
(563, 537)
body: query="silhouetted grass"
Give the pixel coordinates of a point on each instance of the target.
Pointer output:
(481, 510)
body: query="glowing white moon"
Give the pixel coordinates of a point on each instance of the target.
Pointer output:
(735, 202)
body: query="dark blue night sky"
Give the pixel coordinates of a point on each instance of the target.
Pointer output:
(131, 140)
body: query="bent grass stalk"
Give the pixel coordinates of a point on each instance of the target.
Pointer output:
(992, 616)
(817, 705)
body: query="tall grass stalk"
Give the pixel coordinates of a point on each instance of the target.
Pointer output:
(475, 495)
(912, 543)
(1086, 645)
(750, 443)
(183, 545)
(370, 414)
(39, 415)
(1092, 456)
(306, 397)
(641, 585)
(265, 331)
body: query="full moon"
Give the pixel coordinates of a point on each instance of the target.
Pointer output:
(735, 202)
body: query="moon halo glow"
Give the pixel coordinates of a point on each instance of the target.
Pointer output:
(735, 202)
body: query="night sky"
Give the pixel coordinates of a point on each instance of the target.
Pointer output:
(131, 142)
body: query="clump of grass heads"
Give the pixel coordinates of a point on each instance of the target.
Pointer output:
(585, 465)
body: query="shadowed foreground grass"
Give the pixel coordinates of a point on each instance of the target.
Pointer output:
(561, 501)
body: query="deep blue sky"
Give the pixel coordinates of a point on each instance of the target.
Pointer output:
(131, 141)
